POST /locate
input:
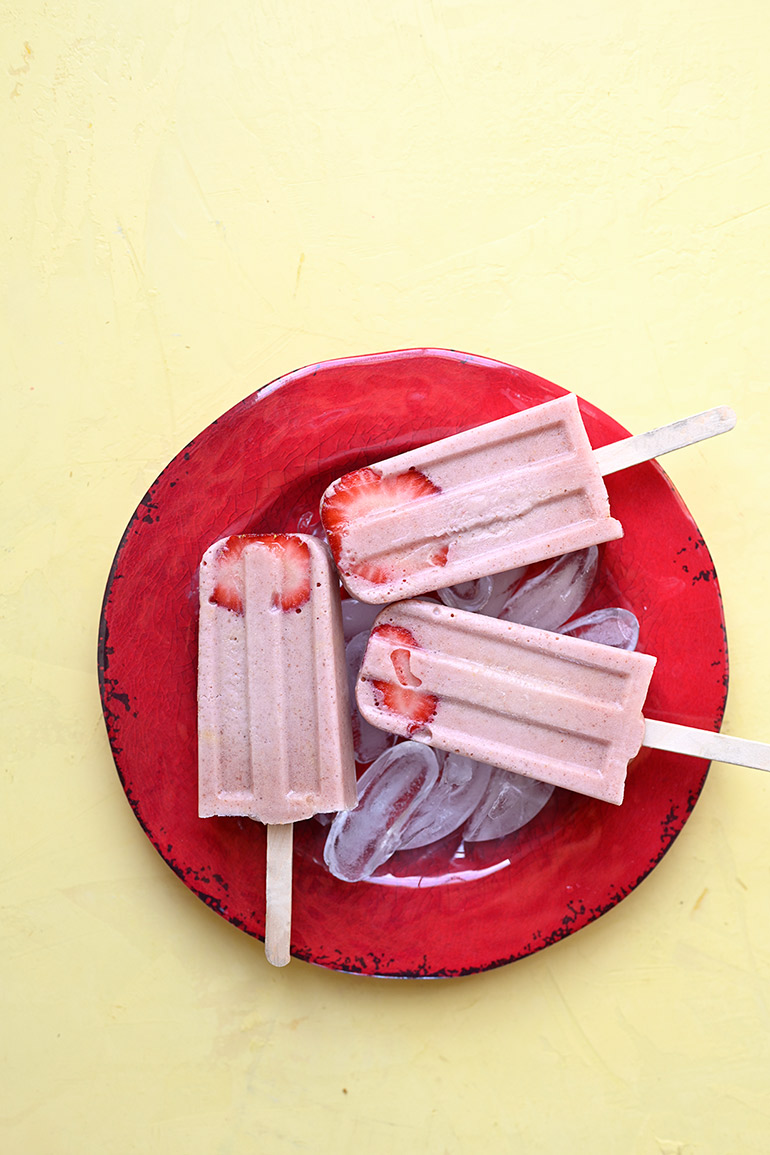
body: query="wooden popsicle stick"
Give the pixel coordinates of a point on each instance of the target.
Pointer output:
(280, 842)
(706, 744)
(645, 446)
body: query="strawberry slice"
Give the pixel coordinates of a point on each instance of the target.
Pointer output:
(228, 592)
(404, 672)
(367, 491)
(419, 709)
(294, 591)
(401, 697)
(389, 632)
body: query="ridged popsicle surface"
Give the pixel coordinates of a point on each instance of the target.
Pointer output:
(274, 735)
(511, 492)
(556, 708)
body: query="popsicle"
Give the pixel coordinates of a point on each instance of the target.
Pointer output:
(274, 735)
(556, 708)
(514, 491)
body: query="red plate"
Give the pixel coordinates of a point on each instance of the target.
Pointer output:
(258, 469)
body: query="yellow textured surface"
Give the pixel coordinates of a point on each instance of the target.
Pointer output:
(200, 197)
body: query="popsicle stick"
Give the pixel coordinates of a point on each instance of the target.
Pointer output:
(706, 744)
(280, 841)
(645, 446)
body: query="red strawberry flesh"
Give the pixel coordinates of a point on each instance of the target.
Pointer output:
(294, 589)
(368, 491)
(417, 707)
(228, 592)
(398, 634)
(403, 669)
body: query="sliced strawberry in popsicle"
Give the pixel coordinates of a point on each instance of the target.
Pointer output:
(365, 492)
(295, 587)
(228, 592)
(418, 708)
(403, 698)
(398, 634)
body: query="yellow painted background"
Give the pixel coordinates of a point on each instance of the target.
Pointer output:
(200, 197)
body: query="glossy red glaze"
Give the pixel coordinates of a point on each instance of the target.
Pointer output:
(259, 469)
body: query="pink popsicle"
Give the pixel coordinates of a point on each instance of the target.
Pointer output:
(514, 491)
(274, 735)
(554, 708)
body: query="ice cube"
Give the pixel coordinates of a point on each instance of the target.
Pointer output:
(611, 627)
(509, 802)
(551, 597)
(354, 656)
(389, 793)
(459, 788)
(503, 585)
(310, 523)
(368, 742)
(357, 617)
(472, 595)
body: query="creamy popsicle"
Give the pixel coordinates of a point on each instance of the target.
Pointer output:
(274, 735)
(274, 741)
(555, 708)
(514, 491)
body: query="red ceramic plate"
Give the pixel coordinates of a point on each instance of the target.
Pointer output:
(445, 910)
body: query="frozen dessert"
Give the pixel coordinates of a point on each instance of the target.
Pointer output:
(518, 490)
(274, 739)
(555, 708)
(274, 735)
(493, 498)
